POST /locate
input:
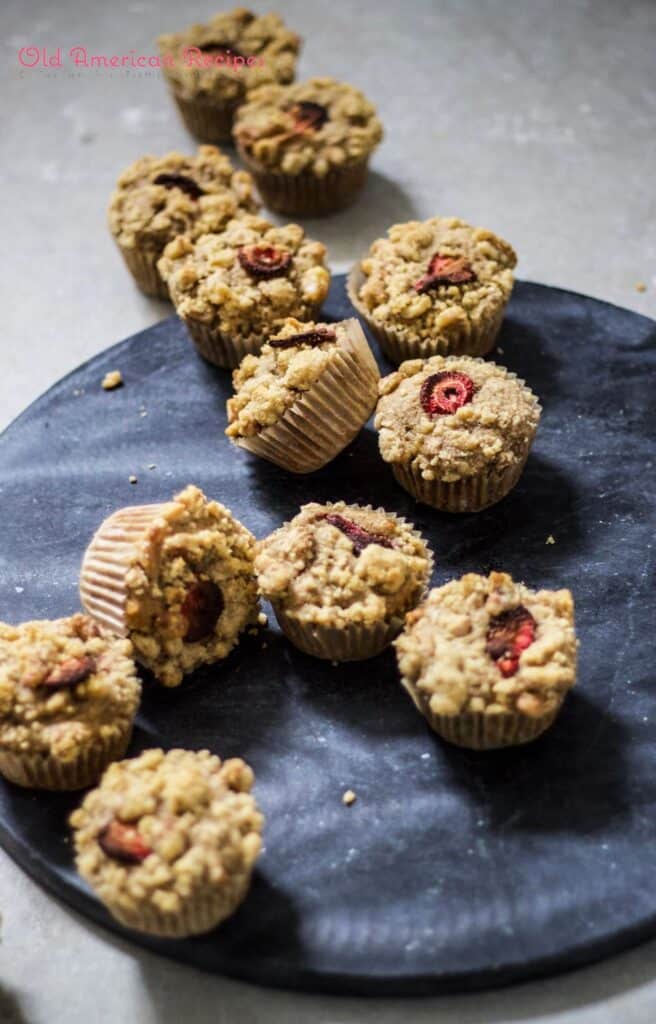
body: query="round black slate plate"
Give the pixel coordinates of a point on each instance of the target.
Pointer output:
(453, 870)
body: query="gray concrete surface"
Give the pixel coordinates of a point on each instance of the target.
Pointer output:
(533, 117)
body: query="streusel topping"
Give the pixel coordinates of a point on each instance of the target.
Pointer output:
(268, 384)
(437, 278)
(498, 417)
(163, 828)
(338, 564)
(312, 126)
(64, 687)
(160, 197)
(486, 643)
(247, 279)
(205, 59)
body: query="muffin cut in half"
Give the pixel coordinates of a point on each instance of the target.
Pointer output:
(434, 287)
(235, 288)
(487, 661)
(177, 578)
(341, 578)
(456, 431)
(304, 398)
(168, 841)
(158, 198)
(210, 68)
(68, 697)
(307, 145)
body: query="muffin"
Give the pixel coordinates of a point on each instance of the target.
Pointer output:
(307, 145)
(176, 578)
(160, 197)
(68, 698)
(341, 578)
(210, 68)
(168, 841)
(434, 288)
(456, 431)
(305, 396)
(487, 661)
(235, 288)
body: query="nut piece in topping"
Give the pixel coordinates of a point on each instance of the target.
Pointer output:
(123, 842)
(445, 270)
(177, 578)
(71, 671)
(264, 261)
(112, 379)
(445, 392)
(487, 661)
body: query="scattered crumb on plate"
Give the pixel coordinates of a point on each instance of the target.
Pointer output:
(349, 797)
(112, 380)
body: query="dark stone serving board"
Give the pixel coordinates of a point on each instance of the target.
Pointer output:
(453, 870)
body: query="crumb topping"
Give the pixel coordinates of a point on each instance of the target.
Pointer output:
(447, 652)
(315, 570)
(164, 828)
(64, 687)
(267, 48)
(268, 384)
(160, 197)
(314, 126)
(209, 282)
(396, 267)
(491, 428)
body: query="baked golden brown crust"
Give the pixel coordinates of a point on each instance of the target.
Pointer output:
(158, 198)
(314, 126)
(209, 283)
(494, 429)
(313, 570)
(456, 313)
(64, 689)
(446, 658)
(268, 49)
(177, 578)
(164, 837)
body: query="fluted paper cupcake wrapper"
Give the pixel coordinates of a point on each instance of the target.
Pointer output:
(142, 264)
(305, 194)
(318, 426)
(397, 348)
(227, 351)
(199, 914)
(356, 641)
(477, 730)
(209, 122)
(471, 494)
(40, 771)
(103, 590)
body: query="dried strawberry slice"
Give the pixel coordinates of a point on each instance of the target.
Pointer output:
(445, 270)
(508, 635)
(359, 537)
(305, 338)
(202, 606)
(308, 116)
(264, 261)
(181, 181)
(71, 671)
(123, 842)
(444, 392)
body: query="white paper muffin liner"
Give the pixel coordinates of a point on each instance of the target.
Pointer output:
(227, 351)
(470, 494)
(328, 416)
(397, 347)
(45, 771)
(305, 194)
(208, 121)
(142, 264)
(199, 913)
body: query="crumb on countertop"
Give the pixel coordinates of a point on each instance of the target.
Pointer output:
(349, 797)
(640, 286)
(113, 379)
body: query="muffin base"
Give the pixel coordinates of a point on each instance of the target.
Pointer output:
(208, 122)
(397, 348)
(143, 267)
(329, 415)
(200, 914)
(38, 771)
(471, 494)
(305, 194)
